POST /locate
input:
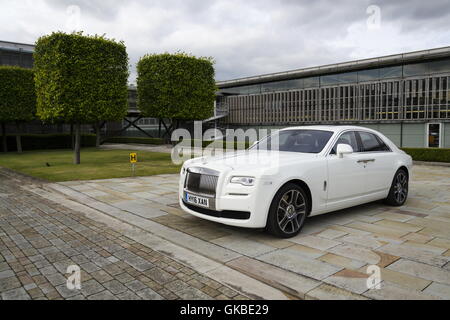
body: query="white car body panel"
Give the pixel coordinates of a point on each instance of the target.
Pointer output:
(348, 183)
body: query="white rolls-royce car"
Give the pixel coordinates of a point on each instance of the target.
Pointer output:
(293, 174)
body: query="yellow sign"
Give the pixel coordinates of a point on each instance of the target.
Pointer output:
(133, 158)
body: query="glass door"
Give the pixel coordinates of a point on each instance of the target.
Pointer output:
(434, 135)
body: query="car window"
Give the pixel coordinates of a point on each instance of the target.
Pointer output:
(303, 141)
(371, 142)
(347, 138)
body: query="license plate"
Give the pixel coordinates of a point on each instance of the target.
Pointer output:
(196, 200)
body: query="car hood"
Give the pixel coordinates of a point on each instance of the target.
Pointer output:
(251, 162)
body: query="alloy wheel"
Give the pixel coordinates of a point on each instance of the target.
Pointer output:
(400, 187)
(291, 211)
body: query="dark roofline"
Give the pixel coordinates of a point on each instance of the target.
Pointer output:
(16, 46)
(19, 43)
(340, 67)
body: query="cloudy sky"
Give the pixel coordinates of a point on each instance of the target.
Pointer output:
(246, 38)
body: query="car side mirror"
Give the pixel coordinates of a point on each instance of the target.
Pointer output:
(344, 149)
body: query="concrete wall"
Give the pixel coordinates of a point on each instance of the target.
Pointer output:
(446, 135)
(414, 135)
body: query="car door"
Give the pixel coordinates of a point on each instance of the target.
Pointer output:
(346, 175)
(380, 162)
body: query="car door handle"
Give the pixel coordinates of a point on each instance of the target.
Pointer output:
(366, 160)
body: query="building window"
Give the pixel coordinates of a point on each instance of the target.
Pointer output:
(434, 135)
(391, 72)
(416, 69)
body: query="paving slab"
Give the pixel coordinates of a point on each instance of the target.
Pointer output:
(328, 292)
(421, 270)
(367, 241)
(391, 291)
(243, 283)
(414, 254)
(354, 281)
(289, 282)
(438, 290)
(243, 246)
(341, 261)
(291, 260)
(315, 242)
(403, 279)
(356, 253)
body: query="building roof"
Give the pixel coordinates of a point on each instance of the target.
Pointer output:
(383, 61)
(14, 46)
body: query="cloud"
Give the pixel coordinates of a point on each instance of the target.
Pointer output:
(245, 37)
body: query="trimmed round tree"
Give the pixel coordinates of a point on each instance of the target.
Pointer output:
(80, 80)
(17, 100)
(176, 86)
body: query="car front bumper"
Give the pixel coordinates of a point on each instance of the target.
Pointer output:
(233, 205)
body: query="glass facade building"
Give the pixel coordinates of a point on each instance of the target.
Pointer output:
(406, 88)
(16, 54)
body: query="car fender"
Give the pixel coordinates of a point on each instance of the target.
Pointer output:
(313, 174)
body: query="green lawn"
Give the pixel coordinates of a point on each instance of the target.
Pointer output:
(95, 164)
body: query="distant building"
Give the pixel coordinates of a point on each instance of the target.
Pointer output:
(405, 96)
(16, 54)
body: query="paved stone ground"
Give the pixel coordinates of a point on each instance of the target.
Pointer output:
(39, 239)
(328, 260)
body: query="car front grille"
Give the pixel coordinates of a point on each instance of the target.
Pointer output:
(201, 183)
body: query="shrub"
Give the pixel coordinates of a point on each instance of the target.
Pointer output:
(17, 99)
(176, 86)
(49, 141)
(80, 79)
(158, 141)
(138, 140)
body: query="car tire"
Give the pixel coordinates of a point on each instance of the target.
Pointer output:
(288, 211)
(399, 189)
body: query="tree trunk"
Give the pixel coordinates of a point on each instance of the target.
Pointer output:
(18, 138)
(76, 152)
(72, 142)
(97, 134)
(5, 145)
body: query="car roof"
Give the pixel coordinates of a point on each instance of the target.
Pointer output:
(327, 128)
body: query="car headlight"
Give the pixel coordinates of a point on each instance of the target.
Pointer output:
(245, 181)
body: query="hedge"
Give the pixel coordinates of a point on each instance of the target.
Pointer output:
(80, 79)
(17, 94)
(176, 86)
(429, 154)
(159, 141)
(138, 140)
(48, 141)
(235, 144)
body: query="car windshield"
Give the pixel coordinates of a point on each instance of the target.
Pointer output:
(303, 141)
